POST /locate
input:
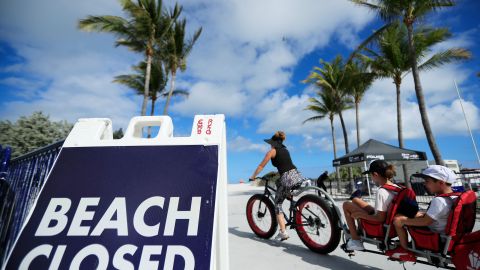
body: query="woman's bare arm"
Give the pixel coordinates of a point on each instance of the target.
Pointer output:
(270, 154)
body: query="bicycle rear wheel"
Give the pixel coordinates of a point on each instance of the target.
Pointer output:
(316, 224)
(261, 216)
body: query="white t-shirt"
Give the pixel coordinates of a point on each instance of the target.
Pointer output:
(439, 211)
(383, 199)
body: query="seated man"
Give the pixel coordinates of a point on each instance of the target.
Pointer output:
(382, 174)
(438, 180)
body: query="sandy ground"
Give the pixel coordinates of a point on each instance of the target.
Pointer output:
(250, 252)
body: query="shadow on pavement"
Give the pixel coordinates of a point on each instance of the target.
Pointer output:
(327, 261)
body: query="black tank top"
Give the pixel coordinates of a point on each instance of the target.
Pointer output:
(282, 160)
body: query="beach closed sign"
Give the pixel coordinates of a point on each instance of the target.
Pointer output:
(133, 204)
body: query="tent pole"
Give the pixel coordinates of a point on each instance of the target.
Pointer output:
(368, 180)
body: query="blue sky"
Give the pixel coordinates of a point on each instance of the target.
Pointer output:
(248, 64)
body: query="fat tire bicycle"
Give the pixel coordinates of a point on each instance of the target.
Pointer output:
(315, 219)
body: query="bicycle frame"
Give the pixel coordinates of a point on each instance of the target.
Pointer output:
(295, 193)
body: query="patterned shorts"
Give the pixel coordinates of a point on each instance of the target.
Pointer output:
(284, 184)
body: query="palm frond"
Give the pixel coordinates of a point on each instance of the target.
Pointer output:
(445, 57)
(314, 118)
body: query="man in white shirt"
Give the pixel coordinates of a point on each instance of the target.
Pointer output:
(438, 180)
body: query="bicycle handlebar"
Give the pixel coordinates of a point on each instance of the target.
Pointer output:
(257, 178)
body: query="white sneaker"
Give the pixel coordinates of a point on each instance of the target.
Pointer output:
(355, 245)
(282, 236)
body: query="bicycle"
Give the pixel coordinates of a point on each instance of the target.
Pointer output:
(315, 219)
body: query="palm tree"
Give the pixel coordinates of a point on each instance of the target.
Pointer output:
(391, 58)
(146, 22)
(409, 12)
(177, 49)
(326, 106)
(358, 78)
(330, 78)
(158, 83)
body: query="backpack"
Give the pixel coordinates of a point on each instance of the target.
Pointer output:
(405, 200)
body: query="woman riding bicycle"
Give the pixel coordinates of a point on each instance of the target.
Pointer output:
(289, 176)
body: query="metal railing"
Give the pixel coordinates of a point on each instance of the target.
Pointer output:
(21, 184)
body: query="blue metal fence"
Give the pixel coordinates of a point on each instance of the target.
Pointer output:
(21, 183)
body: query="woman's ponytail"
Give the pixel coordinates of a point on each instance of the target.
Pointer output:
(281, 135)
(389, 172)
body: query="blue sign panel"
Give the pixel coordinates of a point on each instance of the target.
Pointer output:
(127, 207)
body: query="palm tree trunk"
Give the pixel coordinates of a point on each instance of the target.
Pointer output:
(421, 99)
(172, 87)
(335, 153)
(357, 123)
(400, 130)
(345, 137)
(333, 139)
(147, 83)
(399, 116)
(152, 112)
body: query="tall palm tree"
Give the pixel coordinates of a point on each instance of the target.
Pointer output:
(390, 58)
(158, 83)
(324, 107)
(409, 12)
(358, 78)
(145, 23)
(330, 78)
(177, 49)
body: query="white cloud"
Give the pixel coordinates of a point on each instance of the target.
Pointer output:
(242, 144)
(247, 48)
(79, 97)
(69, 72)
(254, 45)
(281, 112)
(211, 98)
(241, 66)
(26, 88)
(377, 112)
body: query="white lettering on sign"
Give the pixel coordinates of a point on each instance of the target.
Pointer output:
(96, 250)
(43, 250)
(139, 222)
(55, 221)
(120, 225)
(50, 214)
(182, 251)
(192, 216)
(80, 215)
(148, 251)
(118, 207)
(119, 261)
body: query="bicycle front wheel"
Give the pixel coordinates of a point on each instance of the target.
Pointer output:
(261, 216)
(316, 224)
